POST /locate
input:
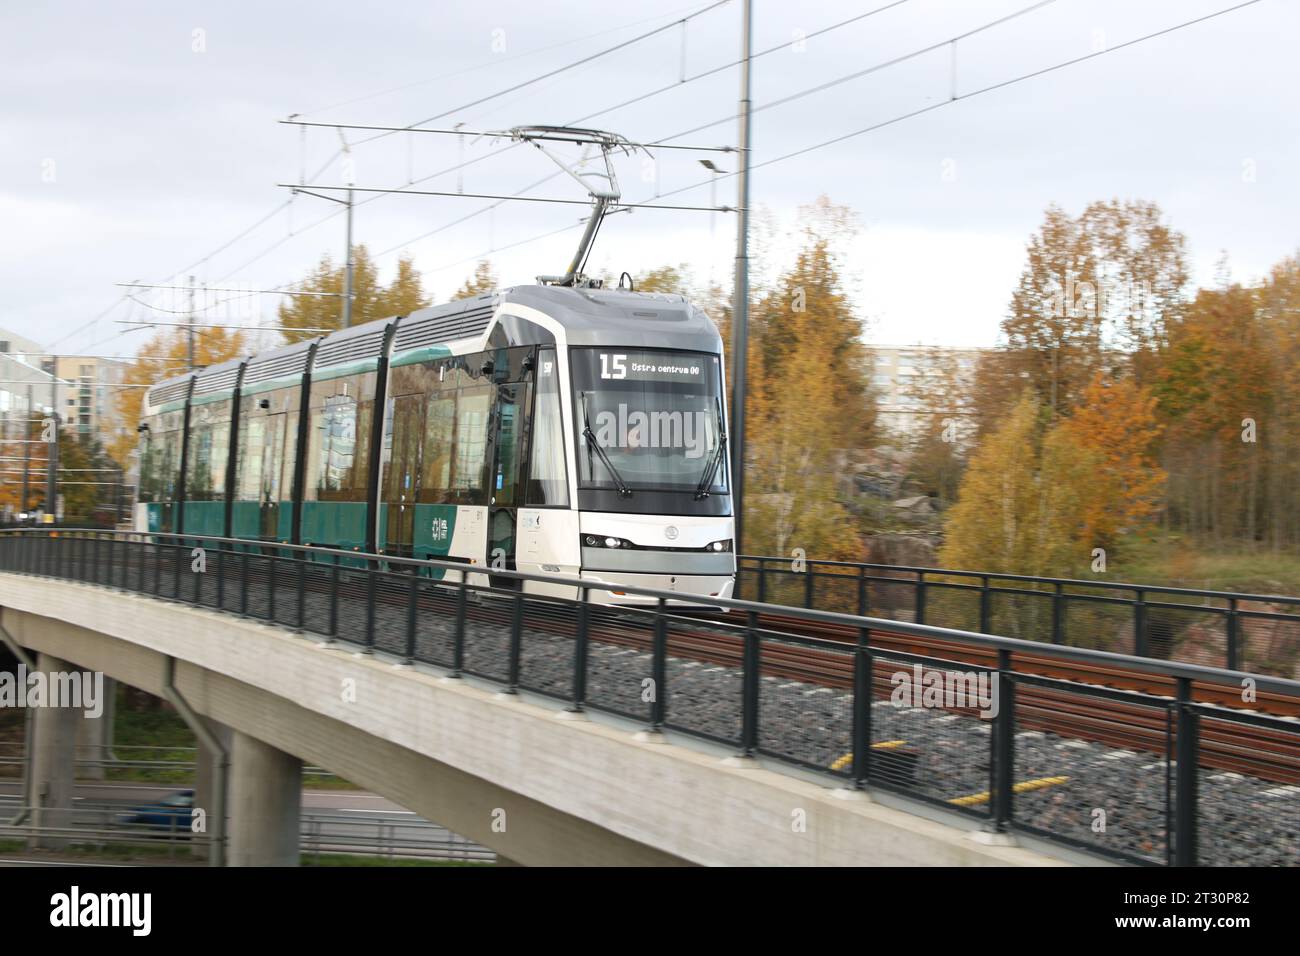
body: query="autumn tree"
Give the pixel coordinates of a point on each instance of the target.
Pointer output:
(809, 401)
(371, 300)
(1041, 495)
(88, 480)
(164, 356)
(666, 279)
(1098, 293)
(1116, 422)
(24, 450)
(482, 281)
(1023, 501)
(1228, 390)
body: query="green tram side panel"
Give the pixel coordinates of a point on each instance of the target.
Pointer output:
(205, 518)
(434, 527)
(334, 524)
(158, 516)
(246, 522)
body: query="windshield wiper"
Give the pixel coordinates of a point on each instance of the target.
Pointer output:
(706, 479)
(592, 445)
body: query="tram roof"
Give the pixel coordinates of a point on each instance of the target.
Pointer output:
(591, 317)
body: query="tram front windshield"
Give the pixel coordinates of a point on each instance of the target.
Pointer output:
(649, 419)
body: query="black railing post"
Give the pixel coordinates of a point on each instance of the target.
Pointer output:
(177, 548)
(659, 669)
(862, 668)
(198, 575)
(986, 605)
(1139, 624)
(243, 581)
(1234, 634)
(808, 583)
(1004, 756)
(920, 597)
(371, 573)
(1186, 748)
(581, 637)
(750, 685)
(762, 581)
(458, 639)
(516, 642)
(301, 616)
(862, 591)
(412, 600)
(1058, 614)
(270, 585)
(157, 566)
(94, 561)
(334, 599)
(221, 578)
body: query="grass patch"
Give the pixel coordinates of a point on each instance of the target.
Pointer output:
(1171, 561)
(150, 734)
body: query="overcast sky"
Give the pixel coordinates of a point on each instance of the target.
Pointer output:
(137, 139)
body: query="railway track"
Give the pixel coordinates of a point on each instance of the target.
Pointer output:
(1261, 752)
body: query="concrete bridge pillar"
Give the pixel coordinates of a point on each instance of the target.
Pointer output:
(95, 736)
(206, 779)
(265, 804)
(53, 763)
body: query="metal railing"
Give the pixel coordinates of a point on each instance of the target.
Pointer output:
(1049, 752)
(1236, 631)
(97, 828)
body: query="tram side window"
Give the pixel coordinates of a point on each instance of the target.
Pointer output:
(548, 483)
(209, 447)
(439, 435)
(338, 447)
(252, 437)
(469, 464)
(338, 454)
(148, 465)
(168, 463)
(289, 460)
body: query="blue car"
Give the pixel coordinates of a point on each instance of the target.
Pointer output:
(170, 815)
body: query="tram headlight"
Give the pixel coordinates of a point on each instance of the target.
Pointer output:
(598, 541)
(720, 546)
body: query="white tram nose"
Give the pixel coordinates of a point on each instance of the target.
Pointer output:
(688, 554)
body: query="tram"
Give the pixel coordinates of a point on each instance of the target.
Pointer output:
(566, 429)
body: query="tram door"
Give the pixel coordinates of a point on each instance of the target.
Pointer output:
(506, 480)
(402, 488)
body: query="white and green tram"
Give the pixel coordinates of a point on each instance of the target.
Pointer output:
(577, 432)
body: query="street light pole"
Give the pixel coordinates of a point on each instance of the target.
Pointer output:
(740, 294)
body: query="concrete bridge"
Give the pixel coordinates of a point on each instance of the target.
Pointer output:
(538, 784)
